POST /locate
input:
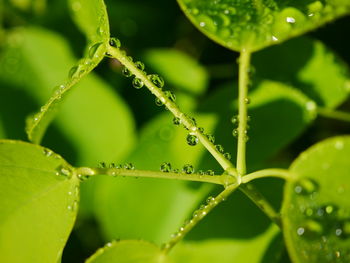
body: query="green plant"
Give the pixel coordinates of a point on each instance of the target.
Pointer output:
(40, 191)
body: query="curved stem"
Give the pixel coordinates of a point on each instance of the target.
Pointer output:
(244, 61)
(274, 172)
(253, 194)
(198, 215)
(173, 108)
(85, 172)
(334, 114)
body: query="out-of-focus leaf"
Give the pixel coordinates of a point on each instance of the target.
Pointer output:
(253, 25)
(92, 19)
(252, 250)
(93, 118)
(316, 210)
(118, 200)
(178, 69)
(39, 201)
(316, 70)
(129, 251)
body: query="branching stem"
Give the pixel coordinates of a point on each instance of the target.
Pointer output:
(334, 114)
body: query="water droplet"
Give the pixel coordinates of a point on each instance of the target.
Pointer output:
(126, 72)
(235, 132)
(234, 120)
(102, 165)
(159, 102)
(137, 83)
(129, 166)
(73, 72)
(188, 169)
(156, 80)
(210, 199)
(170, 95)
(306, 186)
(47, 152)
(290, 19)
(114, 42)
(300, 231)
(176, 170)
(165, 167)
(83, 177)
(64, 172)
(219, 148)
(192, 140)
(211, 138)
(227, 156)
(140, 65)
(200, 172)
(176, 121)
(247, 100)
(311, 105)
(93, 50)
(209, 172)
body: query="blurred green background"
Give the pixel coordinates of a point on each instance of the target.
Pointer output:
(105, 119)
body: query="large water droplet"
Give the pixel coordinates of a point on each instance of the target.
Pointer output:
(219, 148)
(156, 80)
(188, 169)
(165, 167)
(137, 83)
(140, 65)
(126, 72)
(93, 50)
(192, 140)
(170, 95)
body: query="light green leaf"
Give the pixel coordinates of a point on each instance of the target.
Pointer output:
(129, 251)
(315, 70)
(91, 16)
(255, 24)
(316, 211)
(253, 250)
(39, 199)
(93, 118)
(92, 19)
(178, 69)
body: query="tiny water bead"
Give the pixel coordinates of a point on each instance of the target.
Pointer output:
(165, 167)
(235, 132)
(158, 102)
(126, 72)
(176, 121)
(129, 166)
(47, 152)
(192, 140)
(188, 169)
(210, 172)
(201, 129)
(83, 177)
(227, 156)
(137, 83)
(156, 80)
(102, 165)
(170, 95)
(140, 65)
(114, 42)
(63, 172)
(219, 148)
(210, 199)
(246, 100)
(235, 120)
(211, 138)
(306, 186)
(93, 50)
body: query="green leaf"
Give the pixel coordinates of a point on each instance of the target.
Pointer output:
(160, 141)
(178, 69)
(316, 211)
(92, 19)
(315, 70)
(230, 250)
(128, 251)
(93, 118)
(255, 24)
(39, 199)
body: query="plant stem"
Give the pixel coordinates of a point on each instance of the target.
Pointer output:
(244, 61)
(198, 215)
(85, 172)
(279, 173)
(173, 108)
(334, 114)
(253, 194)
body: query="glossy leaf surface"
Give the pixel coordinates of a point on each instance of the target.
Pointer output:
(255, 24)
